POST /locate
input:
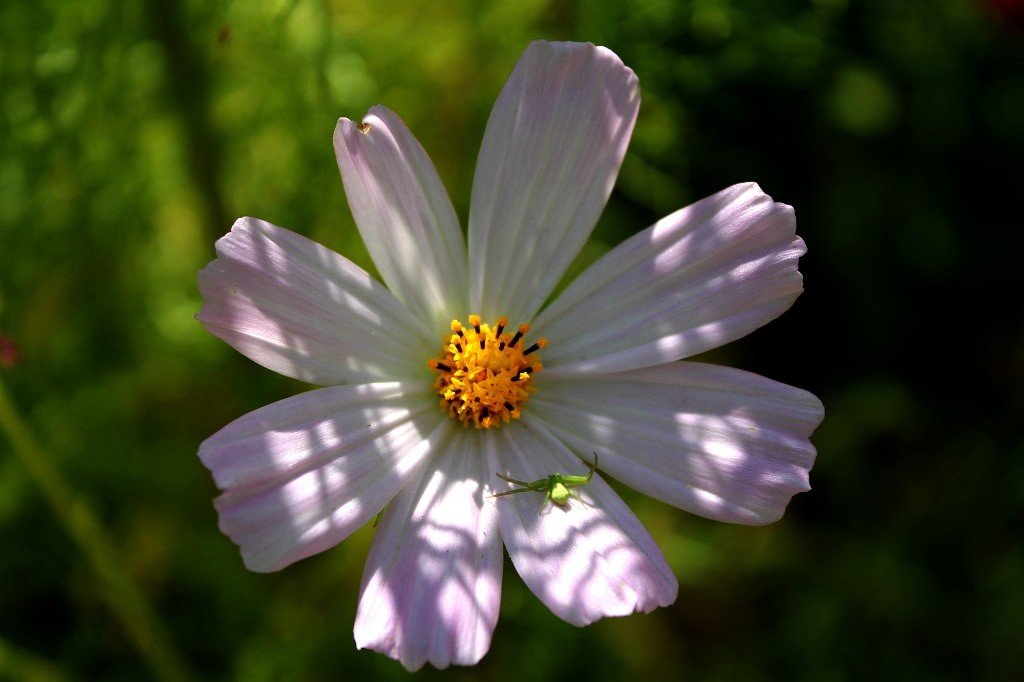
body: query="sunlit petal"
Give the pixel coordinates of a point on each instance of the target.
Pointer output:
(705, 275)
(715, 441)
(302, 474)
(586, 560)
(549, 158)
(306, 312)
(404, 215)
(432, 583)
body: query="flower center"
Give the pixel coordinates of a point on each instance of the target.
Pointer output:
(485, 375)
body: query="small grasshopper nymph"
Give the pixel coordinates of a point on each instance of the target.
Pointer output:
(556, 487)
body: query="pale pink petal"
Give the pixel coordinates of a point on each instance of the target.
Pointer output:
(306, 312)
(432, 583)
(705, 275)
(586, 560)
(300, 475)
(404, 215)
(307, 430)
(719, 442)
(550, 155)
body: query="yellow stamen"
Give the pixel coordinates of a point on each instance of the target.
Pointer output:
(485, 375)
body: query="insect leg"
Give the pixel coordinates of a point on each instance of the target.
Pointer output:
(513, 492)
(531, 486)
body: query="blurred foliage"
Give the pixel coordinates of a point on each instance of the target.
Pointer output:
(136, 132)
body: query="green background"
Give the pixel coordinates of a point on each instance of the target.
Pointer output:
(133, 133)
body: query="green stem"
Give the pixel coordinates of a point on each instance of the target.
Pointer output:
(121, 593)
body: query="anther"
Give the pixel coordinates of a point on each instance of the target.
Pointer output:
(483, 376)
(523, 328)
(535, 347)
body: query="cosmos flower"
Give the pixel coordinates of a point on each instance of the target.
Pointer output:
(457, 371)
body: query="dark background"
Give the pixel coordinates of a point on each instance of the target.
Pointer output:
(134, 133)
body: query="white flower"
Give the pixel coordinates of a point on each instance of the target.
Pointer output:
(302, 474)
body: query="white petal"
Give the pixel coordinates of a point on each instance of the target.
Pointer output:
(404, 215)
(715, 441)
(308, 430)
(550, 155)
(586, 560)
(300, 475)
(432, 583)
(306, 312)
(705, 275)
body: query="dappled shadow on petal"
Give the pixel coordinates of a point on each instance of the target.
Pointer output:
(304, 311)
(404, 214)
(432, 584)
(715, 441)
(302, 474)
(706, 275)
(547, 164)
(586, 560)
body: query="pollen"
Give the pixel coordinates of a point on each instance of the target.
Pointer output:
(485, 374)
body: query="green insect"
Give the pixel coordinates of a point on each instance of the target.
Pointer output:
(556, 487)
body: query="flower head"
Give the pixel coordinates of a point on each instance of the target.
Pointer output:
(455, 381)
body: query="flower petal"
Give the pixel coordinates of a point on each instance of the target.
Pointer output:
(585, 560)
(705, 275)
(550, 155)
(404, 215)
(719, 442)
(300, 475)
(304, 311)
(432, 583)
(304, 431)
